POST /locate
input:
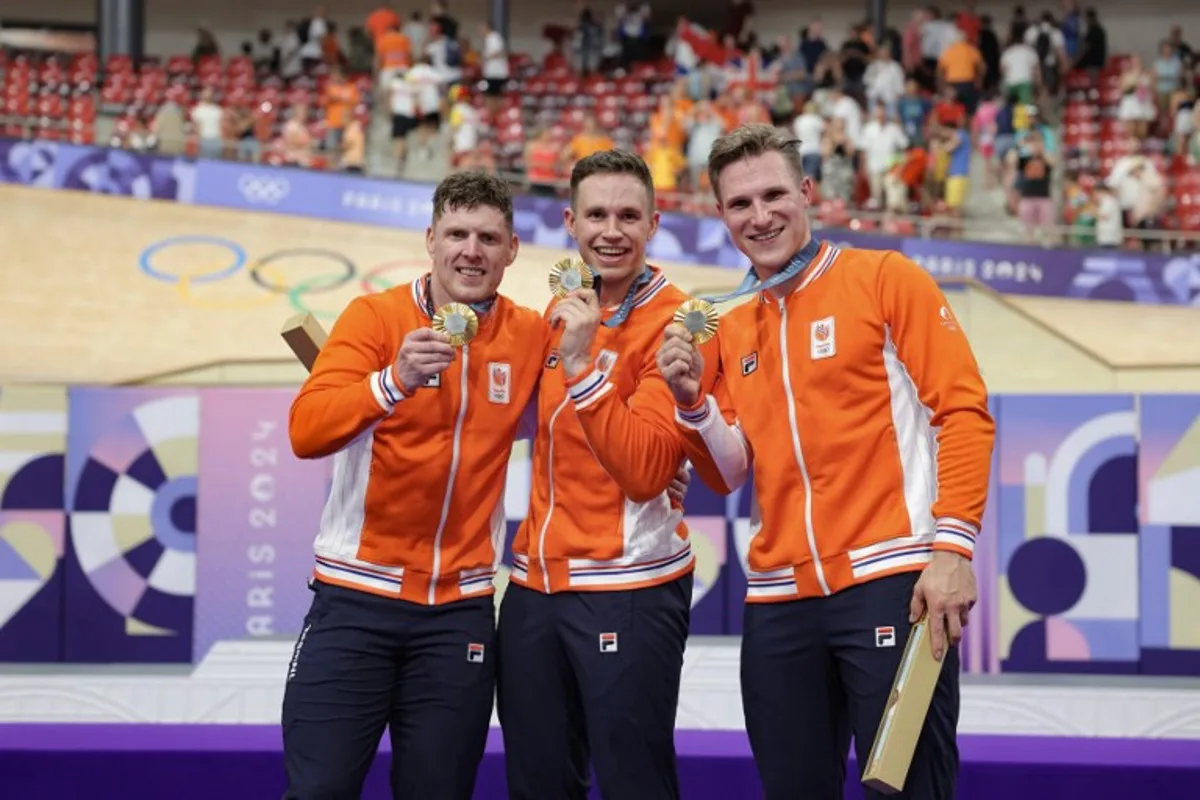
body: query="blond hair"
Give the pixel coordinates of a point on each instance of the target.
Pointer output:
(749, 141)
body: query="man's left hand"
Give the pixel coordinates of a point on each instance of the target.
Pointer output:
(677, 490)
(579, 313)
(946, 590)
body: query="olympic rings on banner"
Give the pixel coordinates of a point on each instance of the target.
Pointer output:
(146, 260)
(373, 281)
(349, 270)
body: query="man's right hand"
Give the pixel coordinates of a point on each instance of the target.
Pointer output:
(423, 354)
(681, 365)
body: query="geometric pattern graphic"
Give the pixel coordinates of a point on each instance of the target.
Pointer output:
(131, 503)
(1169, 478)
(33, 441)
(1067, 582)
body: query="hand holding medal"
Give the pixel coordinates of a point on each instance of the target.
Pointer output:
(570, 275)
(458, 321)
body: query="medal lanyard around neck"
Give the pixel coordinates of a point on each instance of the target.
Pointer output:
(751, 283)
(479, 308)
(627, 304)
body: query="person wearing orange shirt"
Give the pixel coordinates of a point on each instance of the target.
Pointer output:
(341, 96)
(595, 618)
(381, 20)
(401, 631)
(588, 140)
(962, 68)
(849, 391)
(393, 54)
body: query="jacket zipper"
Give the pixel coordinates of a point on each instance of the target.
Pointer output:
(456, 449)
(799, 453)
(550, 503)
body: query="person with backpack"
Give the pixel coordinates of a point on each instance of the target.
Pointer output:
(1047, 41)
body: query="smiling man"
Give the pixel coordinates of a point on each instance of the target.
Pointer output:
(595, 618)
(402, 623)
(851, 392)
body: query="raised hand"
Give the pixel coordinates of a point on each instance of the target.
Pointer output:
(681, 365)
(423, 354)
(579, 314)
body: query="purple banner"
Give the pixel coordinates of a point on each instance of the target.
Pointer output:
(259, 510)
(325, 195)
(98, 170)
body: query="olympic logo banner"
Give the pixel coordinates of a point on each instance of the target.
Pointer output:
(305, 193)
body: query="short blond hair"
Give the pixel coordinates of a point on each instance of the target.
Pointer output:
(748, 141)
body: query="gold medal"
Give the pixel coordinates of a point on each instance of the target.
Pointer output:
(700, 318)
(457, 321)
(570, 275)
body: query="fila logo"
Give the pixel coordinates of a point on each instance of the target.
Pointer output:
(499, 382)
(749, 363)
(434, 381)
(823, 343)
(885, 636)
(552, 359)
(475, 653)
(608, 643)
(606, 361)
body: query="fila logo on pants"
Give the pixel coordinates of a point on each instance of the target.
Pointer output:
(885, 636)
(608, 643)
(475, 653)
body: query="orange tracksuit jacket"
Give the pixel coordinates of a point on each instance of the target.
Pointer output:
(416, 510)
(859, 406)
(606, 449)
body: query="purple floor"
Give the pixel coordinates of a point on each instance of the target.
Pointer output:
(239, 761)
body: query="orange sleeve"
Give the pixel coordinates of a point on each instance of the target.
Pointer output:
(352, 386)
(929, 349)
(635, 442)
(712, 438)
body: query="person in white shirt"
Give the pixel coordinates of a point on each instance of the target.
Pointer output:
(1020, 68)
(495, 65)
(809, 128)
(847, 109)
(1054, 57)
(464, 124)
(207, 117)
(1110, 220)
(311, 53)
(883, 139)
(426, 83)
(884, 80)
(403, 101)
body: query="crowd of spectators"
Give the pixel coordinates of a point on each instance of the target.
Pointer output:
(1036, 112)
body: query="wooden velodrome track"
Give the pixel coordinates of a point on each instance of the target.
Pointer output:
(77, 306)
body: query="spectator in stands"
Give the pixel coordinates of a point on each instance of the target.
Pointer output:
(983, 133)
(417, 31)
(812, 44)
(809, 128)
(1141, 189)
(383, 19)
(444, 54)
(704, 127)
(242, 130)
(955, 142)
(266, 54)
(885, 81)
(206, 45)
(1110, 223)
(1137, 109)
(291, 63)
(989, 51)
(961, 68)
(495, 66)
(207, 116)
(883, 142)
(427, 87)
(1047, 41)
(666, 163)
(312, 32)
(1071, 28)
(855, 55)
(393, 55)
(1168, 75)
(844, 107)
(913, 109)
(1019, 65)
(341, 96)
(353, 156)
(297, 141)
(633, 31)
(837, 162)
(169, 126)
(937, 33)
(1093, 49)
(402, 100)
(1182, 48)
(1035, 208)
(542, 156)
(440, 16)
(589, 39)
(737, 16)
(331, 47)
(464, 125)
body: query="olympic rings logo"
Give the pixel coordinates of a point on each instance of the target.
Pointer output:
(267, 274)
(267, 190)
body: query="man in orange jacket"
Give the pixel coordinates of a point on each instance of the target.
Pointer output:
(402, 625)
(849, 389)
(595, 618)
